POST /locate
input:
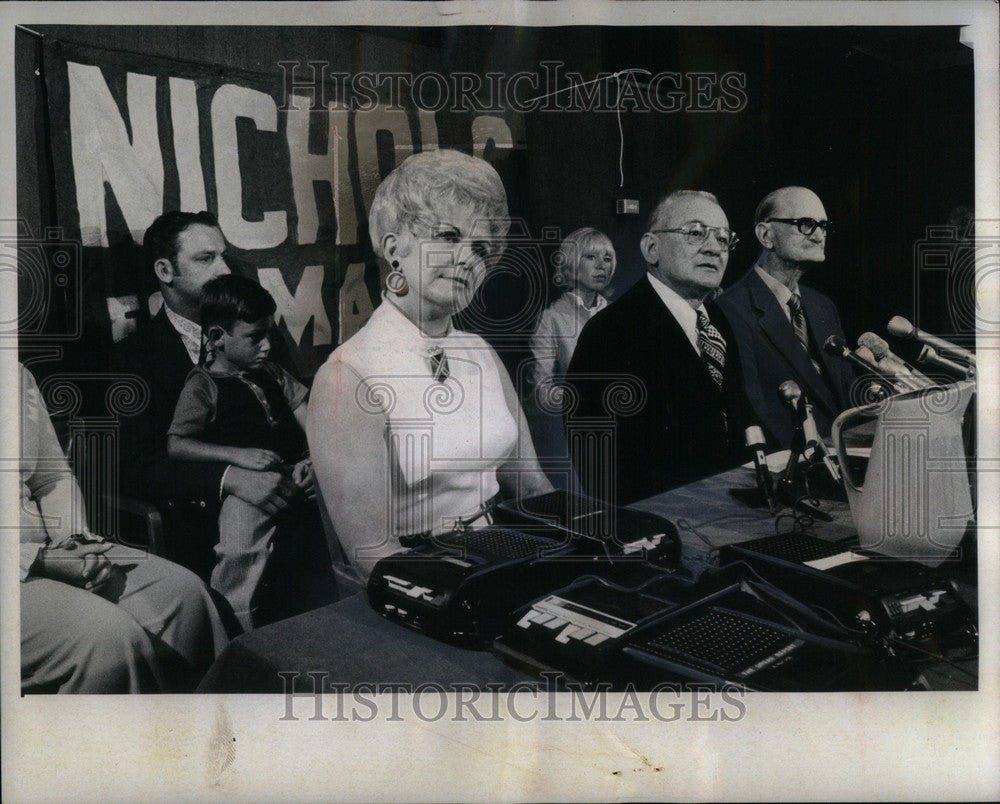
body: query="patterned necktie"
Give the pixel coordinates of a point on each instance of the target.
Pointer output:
(799, 320)
(712, 346)
(439, 363)
(800, 327)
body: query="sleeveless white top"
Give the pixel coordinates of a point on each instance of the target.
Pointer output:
(444, 440)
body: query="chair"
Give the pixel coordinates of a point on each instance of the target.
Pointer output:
(93, 457)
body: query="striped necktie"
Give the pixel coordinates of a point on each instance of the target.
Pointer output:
(712, 346)
(801, 328)
(799, 320)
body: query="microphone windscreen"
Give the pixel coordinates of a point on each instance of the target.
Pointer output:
(754, 436)
(876, 345)
(789, 391)
(834, 345)
(866, 354)
(900, 327)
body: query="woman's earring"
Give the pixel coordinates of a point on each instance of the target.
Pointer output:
(395, 281)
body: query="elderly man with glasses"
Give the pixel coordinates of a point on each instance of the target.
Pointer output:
(781, 325)
(654, 400)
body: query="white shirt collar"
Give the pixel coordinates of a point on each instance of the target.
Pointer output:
(189, 331)
(599, 303)
(780, 291)
(683, 313)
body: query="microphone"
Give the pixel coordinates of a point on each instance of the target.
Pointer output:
(883, 356)
(754, 437)
(929, 357)
(835, 345)
(902, 328)
(814, 450)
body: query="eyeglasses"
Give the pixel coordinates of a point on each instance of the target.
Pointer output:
(805, 225)
(486, 249)
(697, 233)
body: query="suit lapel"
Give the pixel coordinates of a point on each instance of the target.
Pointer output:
(779, 332)
(168, 346)
(820, 328)
(671, 344)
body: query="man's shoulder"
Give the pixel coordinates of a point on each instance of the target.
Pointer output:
(146, 335)
(815, 296)
(623, 309)
(738, 293)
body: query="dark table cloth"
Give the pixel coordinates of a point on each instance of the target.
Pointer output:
(347, 643)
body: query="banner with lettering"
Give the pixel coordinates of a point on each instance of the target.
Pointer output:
(289, 179)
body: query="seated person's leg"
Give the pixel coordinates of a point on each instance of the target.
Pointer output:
(246, 534)
(73, 640)
(299, 576)
(171, 603)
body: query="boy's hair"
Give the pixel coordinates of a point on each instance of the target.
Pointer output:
(160, 240)
(230, 298)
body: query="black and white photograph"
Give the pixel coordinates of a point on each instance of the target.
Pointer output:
(516, 401)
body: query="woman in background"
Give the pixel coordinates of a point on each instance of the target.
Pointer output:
(97, 616)
(414, 426)
(584, 267)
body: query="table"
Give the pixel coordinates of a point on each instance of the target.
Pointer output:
(348, 644)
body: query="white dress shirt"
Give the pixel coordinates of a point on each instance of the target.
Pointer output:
(683, 313)
(189, 331)
(780, 291)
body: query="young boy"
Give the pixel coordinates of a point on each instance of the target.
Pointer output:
(239, 408)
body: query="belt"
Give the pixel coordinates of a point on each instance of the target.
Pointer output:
(482, 516)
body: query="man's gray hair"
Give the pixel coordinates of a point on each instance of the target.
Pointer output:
(660, 210)
(768, 205)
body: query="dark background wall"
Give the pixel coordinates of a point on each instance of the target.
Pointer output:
(878, 121)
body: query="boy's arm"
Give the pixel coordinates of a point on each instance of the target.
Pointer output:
(184, 448)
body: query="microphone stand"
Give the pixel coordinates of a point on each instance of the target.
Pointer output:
(787, 488)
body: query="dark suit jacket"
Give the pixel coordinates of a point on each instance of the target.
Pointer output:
(187, 493)
(676, 427)
(770, 353)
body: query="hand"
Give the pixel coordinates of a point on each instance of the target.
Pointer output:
(81, 564)
(269, 491)
(303, 477)
(256, 459)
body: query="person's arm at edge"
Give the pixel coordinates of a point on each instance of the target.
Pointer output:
(520, 475)
(147, 470)
(348, 449)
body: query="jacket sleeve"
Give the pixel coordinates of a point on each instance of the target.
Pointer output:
(147, 471)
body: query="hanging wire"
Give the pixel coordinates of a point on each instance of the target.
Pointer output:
(617, 75)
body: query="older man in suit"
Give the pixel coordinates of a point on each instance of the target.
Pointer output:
(780, 324)
(654, 399)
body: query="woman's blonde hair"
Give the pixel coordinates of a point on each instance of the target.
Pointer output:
(576, 244)
(424, 183)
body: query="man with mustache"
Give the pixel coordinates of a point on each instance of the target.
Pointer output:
(654, 399)
(781, 325)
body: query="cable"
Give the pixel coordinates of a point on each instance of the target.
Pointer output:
(618, 115)
(802, 521)
(934, 656)
(840, 622)
(621, 133)
(684, 524)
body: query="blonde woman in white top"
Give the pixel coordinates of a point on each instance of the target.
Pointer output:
(414, 426)
(584, 267)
